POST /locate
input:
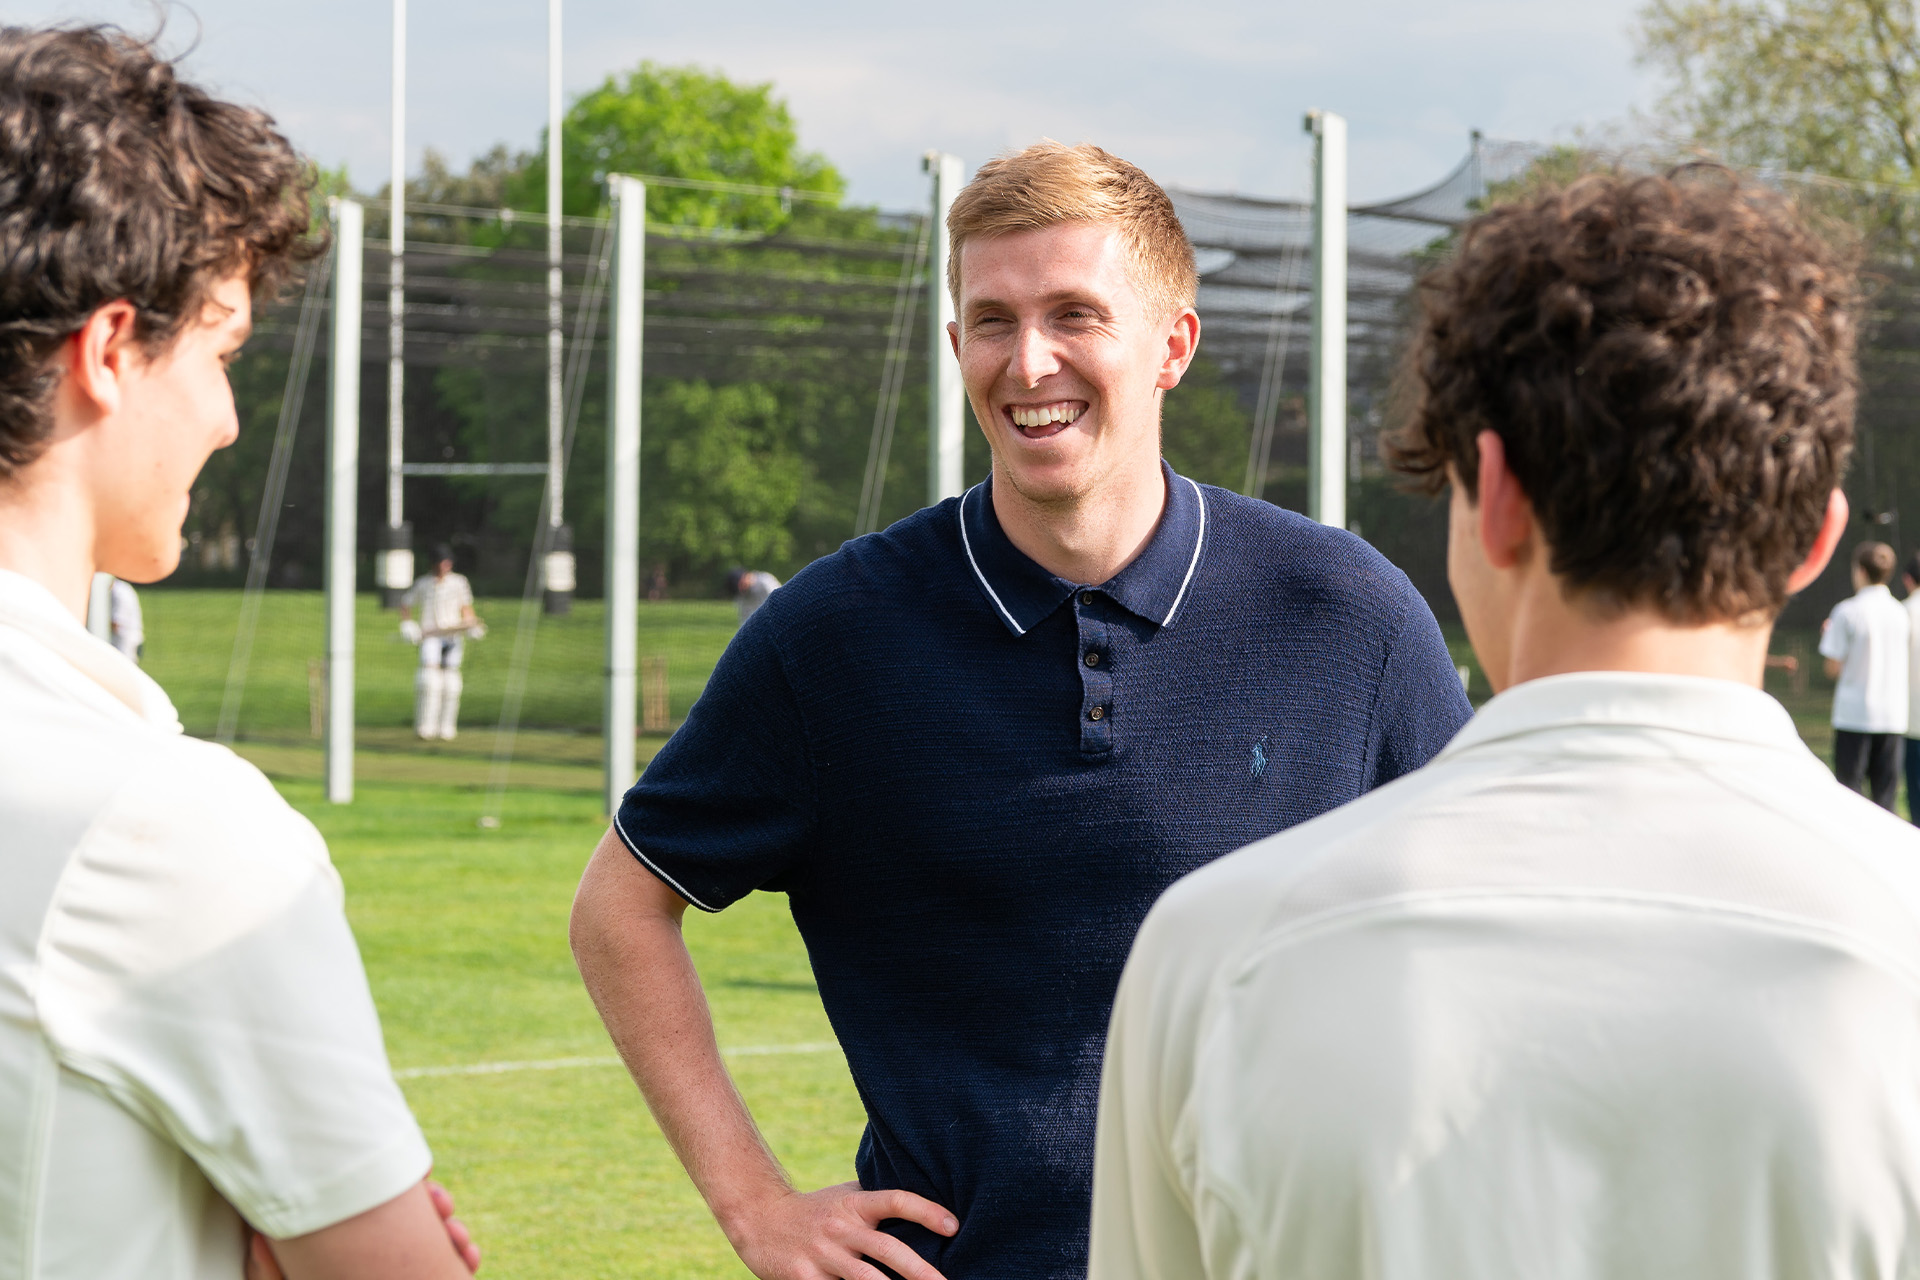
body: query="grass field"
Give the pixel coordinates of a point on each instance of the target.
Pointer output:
(558, 1168)
(190, 643)
(560, 1171)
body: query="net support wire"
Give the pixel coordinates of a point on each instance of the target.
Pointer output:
(272, 500)
(893, 374)
(526, 625)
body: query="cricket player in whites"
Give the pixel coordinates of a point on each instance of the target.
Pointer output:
(1621, 984)
(447, 621)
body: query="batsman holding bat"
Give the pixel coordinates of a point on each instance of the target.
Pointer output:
(444, 600)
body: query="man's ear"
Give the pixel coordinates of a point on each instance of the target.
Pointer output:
(953, 337)
(1506, 521)
(1833, 527)
(1182, 342)
(96, 358)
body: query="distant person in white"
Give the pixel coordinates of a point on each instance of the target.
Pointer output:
(751, 587)
(192, 1079)
(128, 628)
(1910, 748)
(1621, 986)
(1865, 642)
(444, 601)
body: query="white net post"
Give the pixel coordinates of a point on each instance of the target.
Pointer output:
(394, 567)
(1327, 386)
(946, 398)
(623, 483)
(557, 572)
(343, 463)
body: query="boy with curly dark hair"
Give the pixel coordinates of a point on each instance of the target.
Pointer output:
(192, 1079)
(1621, 984)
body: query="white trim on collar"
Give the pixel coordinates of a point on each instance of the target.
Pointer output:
(1199, 540)
(966, 544)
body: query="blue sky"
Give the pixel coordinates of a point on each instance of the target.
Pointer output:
(1207, 95)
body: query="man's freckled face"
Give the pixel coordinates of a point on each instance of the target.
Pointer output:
(1060, 357)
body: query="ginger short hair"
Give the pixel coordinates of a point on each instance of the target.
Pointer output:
(1050, 183)
(118, 180)
(1669, 364)
(1875, 561)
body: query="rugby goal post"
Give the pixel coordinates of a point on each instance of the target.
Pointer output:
(343, 466)
(623, 484)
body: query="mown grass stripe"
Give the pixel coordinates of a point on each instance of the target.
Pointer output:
(605, 1060)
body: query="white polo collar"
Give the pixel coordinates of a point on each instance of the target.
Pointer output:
(1696, 705)
(28, 607)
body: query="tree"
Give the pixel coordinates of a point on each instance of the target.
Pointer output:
(683, 122)
(1818, 87)
(1203, 428)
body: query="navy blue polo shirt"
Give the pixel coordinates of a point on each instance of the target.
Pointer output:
(972, 779)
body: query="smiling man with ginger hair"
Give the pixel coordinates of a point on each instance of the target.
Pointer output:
(972, 750)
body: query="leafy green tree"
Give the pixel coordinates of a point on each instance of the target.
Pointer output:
(1822, 86)
(683, 122)
(720, 479)
(1826, 89)
(1203, 428)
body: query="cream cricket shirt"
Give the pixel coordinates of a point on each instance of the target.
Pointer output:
(442, 603)
(1869, 634)
(1622, 986)
(186, 1035)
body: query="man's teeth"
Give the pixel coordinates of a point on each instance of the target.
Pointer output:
(1041, 415)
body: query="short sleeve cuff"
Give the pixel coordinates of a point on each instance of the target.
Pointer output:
(661, 873)
(383, 1174)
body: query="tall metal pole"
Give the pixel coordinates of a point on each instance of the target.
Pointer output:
(396, 544)
(558, 571)
(946, 397)
(623, 483)
(1327, 385)
(343, 465)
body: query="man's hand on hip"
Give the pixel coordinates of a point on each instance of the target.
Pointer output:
(633, 957)
(830, 1234)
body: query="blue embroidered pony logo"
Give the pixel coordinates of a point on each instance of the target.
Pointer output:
(1258, 767)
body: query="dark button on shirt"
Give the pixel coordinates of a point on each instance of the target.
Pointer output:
(971, 820)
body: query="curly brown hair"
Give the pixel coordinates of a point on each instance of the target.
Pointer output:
(118, 180)
(1669, 363)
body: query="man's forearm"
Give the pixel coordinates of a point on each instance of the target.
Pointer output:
(627, 941)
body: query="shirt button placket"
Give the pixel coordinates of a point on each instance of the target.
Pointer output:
(1096, 677)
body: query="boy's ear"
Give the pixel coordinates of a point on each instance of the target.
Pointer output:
(1833, 527)
(95, 359)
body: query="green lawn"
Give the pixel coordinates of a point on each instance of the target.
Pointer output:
(190, 638)
(561, 1173)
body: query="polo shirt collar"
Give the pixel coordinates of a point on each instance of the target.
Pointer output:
(28, 607)
(1702, 707)
(1153, 586)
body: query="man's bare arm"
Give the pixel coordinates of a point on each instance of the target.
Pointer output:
(627, 941)
(407, 1238)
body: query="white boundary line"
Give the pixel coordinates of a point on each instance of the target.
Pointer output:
(607, 1060)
